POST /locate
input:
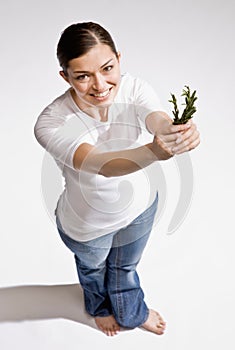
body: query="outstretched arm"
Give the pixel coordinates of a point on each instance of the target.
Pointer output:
(89, 158)
(168, 139)
(175, 138)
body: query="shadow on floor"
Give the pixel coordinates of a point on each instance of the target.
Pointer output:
(24, 303)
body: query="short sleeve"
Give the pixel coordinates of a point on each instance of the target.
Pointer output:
(60, 133)
(146, 99)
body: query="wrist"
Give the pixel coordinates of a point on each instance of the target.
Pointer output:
(153, 148)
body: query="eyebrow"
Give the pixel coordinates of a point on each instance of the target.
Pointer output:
(84, 71)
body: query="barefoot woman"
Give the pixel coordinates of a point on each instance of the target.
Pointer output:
(105, 134)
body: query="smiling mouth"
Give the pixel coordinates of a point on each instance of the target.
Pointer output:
(102, 94)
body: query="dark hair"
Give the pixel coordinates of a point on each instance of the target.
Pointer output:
(77, 39)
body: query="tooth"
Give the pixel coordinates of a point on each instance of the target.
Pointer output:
(102, 94)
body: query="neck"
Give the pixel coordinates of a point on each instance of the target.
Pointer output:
(98, 113)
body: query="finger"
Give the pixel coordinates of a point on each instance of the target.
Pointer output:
(179, 139)
(187, 141)
(187, 148)
(179, 128)
(189, 132)
(171, 138)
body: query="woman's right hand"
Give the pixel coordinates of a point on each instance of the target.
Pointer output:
(160, 149)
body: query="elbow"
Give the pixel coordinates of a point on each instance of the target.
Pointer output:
(109, 171)
(35, 132)
(105, 173)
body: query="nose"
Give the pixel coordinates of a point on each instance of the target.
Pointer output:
(98, 83)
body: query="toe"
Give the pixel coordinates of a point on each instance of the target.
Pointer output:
(112, 332)
(159, 330)
(116, 328)
(162, 324)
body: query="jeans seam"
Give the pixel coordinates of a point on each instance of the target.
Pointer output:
(118, 284)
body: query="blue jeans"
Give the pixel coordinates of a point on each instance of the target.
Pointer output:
(106, 269)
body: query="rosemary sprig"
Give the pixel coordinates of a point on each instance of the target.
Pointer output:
(189, 109)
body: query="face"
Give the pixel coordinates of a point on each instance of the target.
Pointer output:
(94, 77)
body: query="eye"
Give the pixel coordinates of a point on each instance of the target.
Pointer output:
(108, 68)
(82, 77)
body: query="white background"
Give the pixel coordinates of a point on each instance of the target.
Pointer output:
(187, 276)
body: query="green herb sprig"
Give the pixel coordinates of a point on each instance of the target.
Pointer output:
(189, 109)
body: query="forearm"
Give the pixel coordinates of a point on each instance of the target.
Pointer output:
(119, 163)
(90, 159)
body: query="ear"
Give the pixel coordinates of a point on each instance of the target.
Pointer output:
(118, 56)
(64, 76)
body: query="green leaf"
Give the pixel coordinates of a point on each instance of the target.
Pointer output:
(189, 109)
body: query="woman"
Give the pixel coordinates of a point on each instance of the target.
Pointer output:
(105, 133)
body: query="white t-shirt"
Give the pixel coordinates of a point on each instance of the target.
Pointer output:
(92, 205)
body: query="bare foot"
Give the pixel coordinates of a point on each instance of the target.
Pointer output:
(154, 323)
(108, 325)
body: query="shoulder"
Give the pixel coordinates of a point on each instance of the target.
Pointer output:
(60, 104)
(128, 80)
(134, 83)
(131, 87)
(58, 111)
(140, 93)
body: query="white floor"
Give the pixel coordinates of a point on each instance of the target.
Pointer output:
(187, 276)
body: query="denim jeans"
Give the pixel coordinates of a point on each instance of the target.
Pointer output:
(106, 269)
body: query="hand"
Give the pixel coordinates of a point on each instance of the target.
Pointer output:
(171, 139)
(159, 148)
(168, 136)
(187, 140)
